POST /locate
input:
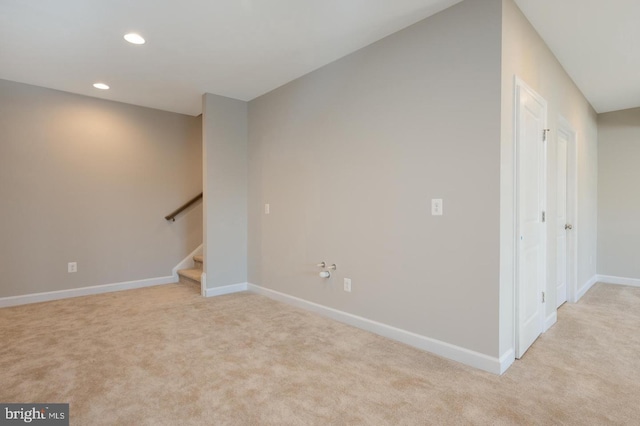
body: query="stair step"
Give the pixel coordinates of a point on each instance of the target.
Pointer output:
(198, 262)
(190, 276)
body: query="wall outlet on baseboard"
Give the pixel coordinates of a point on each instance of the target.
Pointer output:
(347, 284)
(72, 267)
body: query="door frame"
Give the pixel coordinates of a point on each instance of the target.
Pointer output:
(572, 207)
(520, 85)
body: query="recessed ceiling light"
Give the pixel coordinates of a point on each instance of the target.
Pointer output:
(101, 86)
(134, 38)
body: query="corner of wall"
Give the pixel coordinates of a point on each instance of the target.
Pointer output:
(225, 175)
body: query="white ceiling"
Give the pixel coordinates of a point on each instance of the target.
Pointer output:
(244, 48)
(597, 42)
(236, 48)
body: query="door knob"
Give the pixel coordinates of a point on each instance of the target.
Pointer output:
(568, 226)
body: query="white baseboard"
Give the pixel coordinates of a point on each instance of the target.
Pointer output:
(550, 320)
(506, 360)
(187, 262)
(83, 291)
(608, 279)
(227, 289)
(443, 349)
(586, 287)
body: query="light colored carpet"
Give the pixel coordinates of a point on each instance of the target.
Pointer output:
(165, 356)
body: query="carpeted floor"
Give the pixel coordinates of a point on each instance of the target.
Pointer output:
(165, 356)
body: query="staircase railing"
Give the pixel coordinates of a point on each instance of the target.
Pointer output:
(172, 216)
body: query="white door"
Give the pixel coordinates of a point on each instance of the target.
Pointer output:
(566, 216)
(531, 113)
(562, 226)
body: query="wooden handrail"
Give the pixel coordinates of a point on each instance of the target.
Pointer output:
(172, 216)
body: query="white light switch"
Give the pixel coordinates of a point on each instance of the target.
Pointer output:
(436, 207)
(266, 209)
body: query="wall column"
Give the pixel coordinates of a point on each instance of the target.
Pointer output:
(224, 127)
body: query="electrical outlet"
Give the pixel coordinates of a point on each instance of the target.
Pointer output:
(72, 267)
(266, 209)
(347, 284)
(436, 207)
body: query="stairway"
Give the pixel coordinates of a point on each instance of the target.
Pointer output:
(192, 276)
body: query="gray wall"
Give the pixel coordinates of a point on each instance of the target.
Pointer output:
(525, 55)
(225, 190)
(618, 195)
(349, 157)
(90, 181)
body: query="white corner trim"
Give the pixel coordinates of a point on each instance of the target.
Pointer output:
(227, 289)
(506, 360)
(550, 321)
(443, 349)
(187, 262)
(203, 284)
(585, 288)
(608, 279)
(83, 291)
